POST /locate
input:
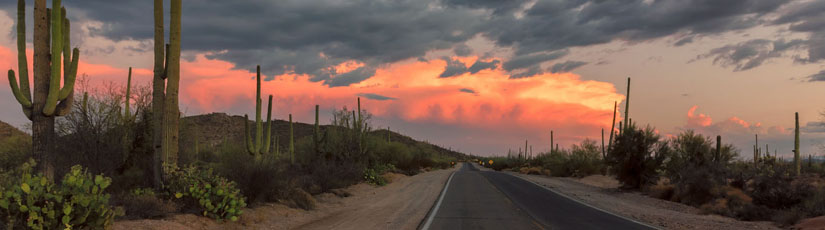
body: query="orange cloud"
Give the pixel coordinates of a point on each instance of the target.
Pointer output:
(701, 120)
(521, 108)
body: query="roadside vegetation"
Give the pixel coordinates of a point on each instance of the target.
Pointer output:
(689, 168)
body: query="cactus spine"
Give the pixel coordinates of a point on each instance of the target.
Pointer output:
(262, 137)
(50, 99)
(291, 142)
(796, 153)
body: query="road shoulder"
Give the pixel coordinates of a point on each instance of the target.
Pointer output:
(664, 214)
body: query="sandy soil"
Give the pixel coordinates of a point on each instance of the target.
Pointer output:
(402, 204)
(601, 192)
(816, 223)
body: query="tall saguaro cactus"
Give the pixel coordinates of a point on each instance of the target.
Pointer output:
(51, 43)
(718, 157)
(262, 137)
(612, 126)
(797, 164)
(551, 141)
(316, 136)
(165, 84)
(291, 142)
(627, 105)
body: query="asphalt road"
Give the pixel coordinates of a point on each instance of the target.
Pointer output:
(492, 200)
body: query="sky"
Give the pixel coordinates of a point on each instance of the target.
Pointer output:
(479, 76)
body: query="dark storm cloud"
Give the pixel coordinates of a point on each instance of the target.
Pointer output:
(816, 77)
(376, 96)
(291, 35)
(683, 41)
(529, 72)
(566, 66)
(527, 61)
(482, 65)
(814, 127)
(467, 90)
(454, 68)
(497, 6)
(749, 54)
(462, 50)
(557, 24)
(352, 77)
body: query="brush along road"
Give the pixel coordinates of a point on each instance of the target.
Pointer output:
(475, 199)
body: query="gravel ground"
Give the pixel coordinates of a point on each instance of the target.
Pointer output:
(665, 214)
(401, 204)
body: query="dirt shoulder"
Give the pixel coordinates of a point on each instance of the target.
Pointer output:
(402, 204)
(601, 192)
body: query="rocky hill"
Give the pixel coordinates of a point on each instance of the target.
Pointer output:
(7, 130)
(215, 128)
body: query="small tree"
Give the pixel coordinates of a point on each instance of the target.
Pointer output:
(636, 156)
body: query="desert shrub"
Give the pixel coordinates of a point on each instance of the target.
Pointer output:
(557, 162)
(261, 180)
(209, 194)
(373, 177)
(142, 203)
(298, 198)
(775, 188)
(77, 202)
(636, 155)
(14, 151)
(585, 159)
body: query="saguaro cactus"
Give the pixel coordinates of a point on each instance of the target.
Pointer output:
(127, 100)
(718, 157)
(627, 105)
(612, 127)
(50, 99)
(603, 153)
(551, 141)
(291, 142)
(165, 84)
(797, 164)
(262, 137)
(316, 138)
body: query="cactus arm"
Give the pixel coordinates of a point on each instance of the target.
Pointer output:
(22, 60)
(56, 51)
(66, 97)
(246, 134)
(16, 91)
(69, 60)
(268, 134)
(166, 63)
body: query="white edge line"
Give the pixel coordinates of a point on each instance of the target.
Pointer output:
(438, 204)
(586, 204)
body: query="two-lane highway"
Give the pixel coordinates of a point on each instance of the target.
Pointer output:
(475, 199)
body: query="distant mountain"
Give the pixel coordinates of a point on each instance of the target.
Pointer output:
(7, 130)
(213, 128)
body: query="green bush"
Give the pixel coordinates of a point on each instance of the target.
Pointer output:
(585, 159)
(211, 195)
(77, 202)
(373, 177)
(636, 156)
